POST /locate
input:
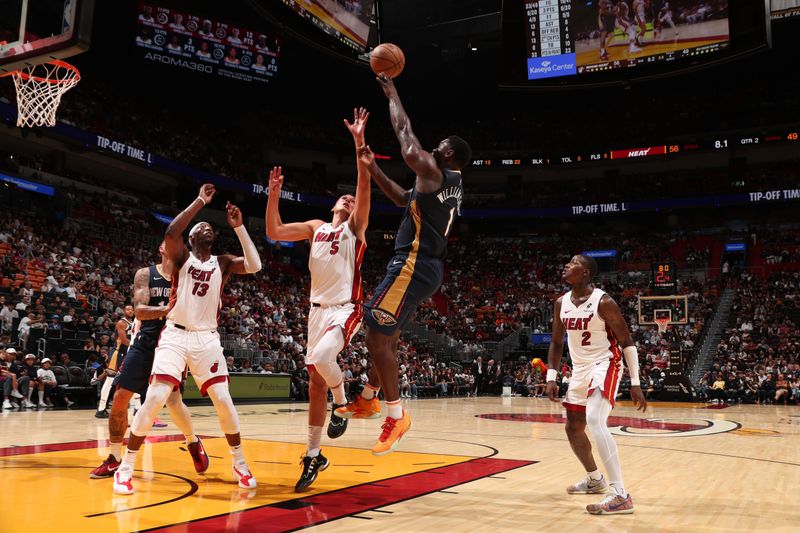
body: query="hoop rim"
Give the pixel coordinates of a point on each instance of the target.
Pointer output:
(56, 63)
(662, 323)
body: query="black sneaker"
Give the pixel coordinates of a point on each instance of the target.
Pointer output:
(311, 467)
(101, 414)
(338, 425)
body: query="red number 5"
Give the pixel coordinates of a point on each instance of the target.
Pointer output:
(587, 338)
(334, 247)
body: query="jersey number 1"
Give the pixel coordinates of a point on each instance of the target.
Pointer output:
(450, 222)
(200, 289)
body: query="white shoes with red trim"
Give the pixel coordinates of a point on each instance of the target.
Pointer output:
(123, 480)
(242, 474)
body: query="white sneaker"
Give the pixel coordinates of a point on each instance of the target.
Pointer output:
(70, 403)
(634, 49)
(242, 474)
(7, 405)
(28, 404)
(16, 394)
(42, 405)
(123, 481)
(589, 486)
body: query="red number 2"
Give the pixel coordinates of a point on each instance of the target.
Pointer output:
(200, 289)
(587, 338)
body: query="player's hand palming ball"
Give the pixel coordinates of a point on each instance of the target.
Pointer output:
(387, 58)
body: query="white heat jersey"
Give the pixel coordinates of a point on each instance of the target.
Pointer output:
(335, 265)
(196, 294)
(639, 9)
(589, 339)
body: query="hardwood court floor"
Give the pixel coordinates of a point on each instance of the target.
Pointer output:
(487, 464)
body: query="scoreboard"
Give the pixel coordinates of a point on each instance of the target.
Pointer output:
(576, 37)
(551, 50)
(548, 28)
(665, 277)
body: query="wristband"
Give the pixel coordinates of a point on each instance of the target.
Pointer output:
(552, 374)
(201, 199)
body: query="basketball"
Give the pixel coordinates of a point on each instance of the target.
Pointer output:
(387, 58)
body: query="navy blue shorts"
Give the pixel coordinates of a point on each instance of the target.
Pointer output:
(409, 281)
(135, 373)
(608, 23)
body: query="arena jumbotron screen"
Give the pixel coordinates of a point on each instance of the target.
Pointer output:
(346, 20)
(566, 38)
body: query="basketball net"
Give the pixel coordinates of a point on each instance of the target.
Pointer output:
(662, 324)
(39, 91)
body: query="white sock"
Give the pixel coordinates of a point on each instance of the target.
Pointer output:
(104, 393)
(314, 440)
(395, 410)
(597, 410)
(191, 439)
(602, 51)
(129, 460)
(116, 450)
(595, 475)
(30, 391)
(339, 397)
(41, 396)
(369, 392)
(238, 455)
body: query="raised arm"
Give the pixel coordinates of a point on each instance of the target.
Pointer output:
(554, 353)
(141, 297)
(419, 160)
(359, 219)
(122, 333)
(276, 229)
(174, 245)
(398, 195)
(250, 262)
(609, 311)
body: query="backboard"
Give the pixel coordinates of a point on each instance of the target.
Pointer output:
(676, 308)
(36, 31)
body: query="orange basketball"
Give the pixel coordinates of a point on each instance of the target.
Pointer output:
(387, 58)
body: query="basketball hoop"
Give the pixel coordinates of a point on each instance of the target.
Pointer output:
(39, 91)
(662, 323)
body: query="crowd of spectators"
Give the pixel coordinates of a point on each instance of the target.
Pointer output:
(758, 356)
(59, 279)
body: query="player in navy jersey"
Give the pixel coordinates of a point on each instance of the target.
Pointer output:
(415, 272)
(151, 292)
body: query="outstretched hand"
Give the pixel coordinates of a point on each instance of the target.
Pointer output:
(360, 117)
(387, 84)
(234, 215)
(207, 192)
(365, 155)
(275, 180)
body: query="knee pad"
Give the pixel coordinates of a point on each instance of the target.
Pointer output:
(324, 357)
(157, 394)
(223, 403)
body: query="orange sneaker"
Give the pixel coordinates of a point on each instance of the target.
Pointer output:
(393, 431)
(360, 408)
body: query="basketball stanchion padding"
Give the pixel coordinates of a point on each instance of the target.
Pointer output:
(39, 91)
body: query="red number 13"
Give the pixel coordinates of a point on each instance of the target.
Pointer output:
(200, 289)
